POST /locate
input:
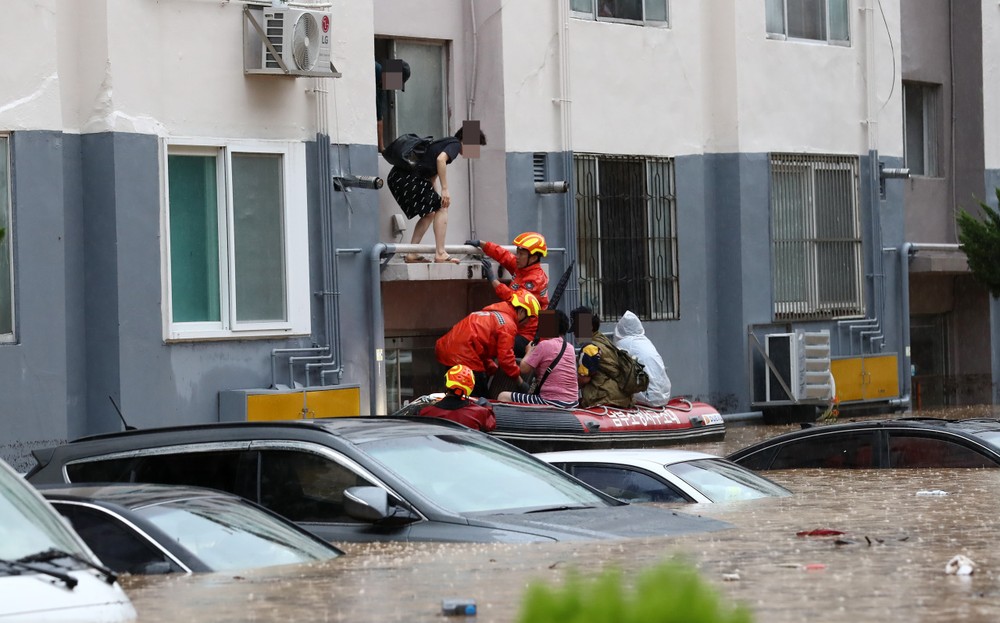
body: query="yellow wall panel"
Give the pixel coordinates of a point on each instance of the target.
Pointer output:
(270, 406)
(849, 377)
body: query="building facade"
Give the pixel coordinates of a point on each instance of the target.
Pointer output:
(190, 235)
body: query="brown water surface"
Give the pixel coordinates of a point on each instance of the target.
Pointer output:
(889, 565)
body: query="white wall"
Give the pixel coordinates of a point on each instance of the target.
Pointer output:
(991, 83)
(712, 82)
(172, 68)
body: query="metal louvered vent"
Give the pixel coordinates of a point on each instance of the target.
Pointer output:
(274, 27)
(305, 42)
(538, 167)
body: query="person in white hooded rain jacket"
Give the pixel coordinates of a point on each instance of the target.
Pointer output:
(631, 337)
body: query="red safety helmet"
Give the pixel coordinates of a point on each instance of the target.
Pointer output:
(460, 379)
(527, 301)
(532, 242)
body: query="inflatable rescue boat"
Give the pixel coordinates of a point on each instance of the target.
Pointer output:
(540, 428)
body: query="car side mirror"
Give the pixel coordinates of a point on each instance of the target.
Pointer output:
(372, 504)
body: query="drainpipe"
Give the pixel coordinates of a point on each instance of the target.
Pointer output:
(904, 323)
(566, 142)
(377, 390)
(470, 107)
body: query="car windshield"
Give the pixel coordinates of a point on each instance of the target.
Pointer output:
(468, 475)
(227, 534)
(724, 482)
(27, 524)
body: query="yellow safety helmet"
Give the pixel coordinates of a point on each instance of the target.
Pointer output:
(533, 242)
(461, 379)
(527, 301)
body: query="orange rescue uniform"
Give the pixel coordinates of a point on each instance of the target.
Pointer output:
(531, 278)
(481, 337)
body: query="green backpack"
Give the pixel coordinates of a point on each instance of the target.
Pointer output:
(634, 378)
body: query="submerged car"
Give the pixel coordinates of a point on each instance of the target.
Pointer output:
(370, 479)
(151, 529)
(878, 444)
(46, 572)
(663, 475)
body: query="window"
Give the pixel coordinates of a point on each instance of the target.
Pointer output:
(649, 12)
(118, 547)
(6, 246)
(815, 237)
(627, 483)
(237, 260)
(421, 106)
(818, 20)
(908, 451)
(627, 236)
(921, 123)
(848, 450)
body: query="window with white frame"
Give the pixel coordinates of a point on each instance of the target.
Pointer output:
(237, 259)
(815, 237)
(817, 20)
(421, 106)
(6, 246)
(921, 126)
(627, 235)
(648, 12)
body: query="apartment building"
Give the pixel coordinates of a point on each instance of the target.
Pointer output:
(192, 236)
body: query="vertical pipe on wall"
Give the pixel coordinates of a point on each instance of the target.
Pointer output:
(470, 107)
(566, 145)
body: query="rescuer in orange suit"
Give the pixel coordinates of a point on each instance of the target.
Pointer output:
(456, 404)
(526, 268)
(485, 335)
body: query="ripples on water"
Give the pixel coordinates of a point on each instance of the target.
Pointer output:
(888, 566)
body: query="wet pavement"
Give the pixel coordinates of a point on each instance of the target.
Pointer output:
(889, 565)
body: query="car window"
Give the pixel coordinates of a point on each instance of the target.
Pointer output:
(467, 474)
(118, 546)
(306, 487)
(721, 481)
(627, 484)
(850, 449)
(915, 451)
(226, 470)
(228, 534)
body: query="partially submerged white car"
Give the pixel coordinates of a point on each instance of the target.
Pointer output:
(46, 572)
(664, 475)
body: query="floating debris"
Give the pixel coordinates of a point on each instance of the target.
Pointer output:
(932, 492)
(960, 565)
(819, 532)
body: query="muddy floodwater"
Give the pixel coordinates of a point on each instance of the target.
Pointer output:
(901, 527)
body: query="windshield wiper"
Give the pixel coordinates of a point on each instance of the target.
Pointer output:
(53, 554)
(16, 567)
(547, 509)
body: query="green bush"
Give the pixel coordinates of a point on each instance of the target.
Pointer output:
(981, 242)
(671, 592)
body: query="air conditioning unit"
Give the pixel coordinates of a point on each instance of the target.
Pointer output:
(782, 350)
(286, 41)
(802, 359)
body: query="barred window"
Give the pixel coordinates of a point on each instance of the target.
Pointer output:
(627, 236)
(815, 237)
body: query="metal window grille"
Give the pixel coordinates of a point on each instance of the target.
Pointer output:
(815, 237)
(627, 235)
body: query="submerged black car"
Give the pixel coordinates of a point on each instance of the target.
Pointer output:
(150, 529)
(370, 479)
(895, 443)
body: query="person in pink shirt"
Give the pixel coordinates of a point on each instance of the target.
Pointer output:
(551, 364)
